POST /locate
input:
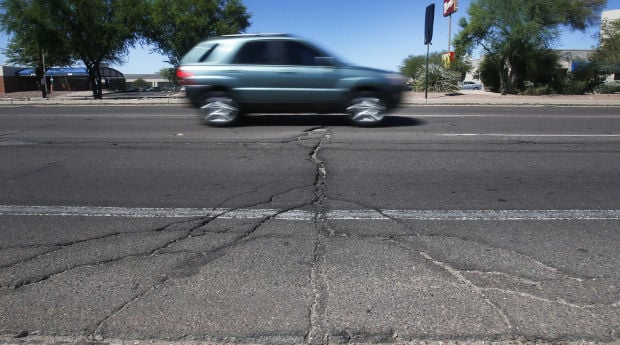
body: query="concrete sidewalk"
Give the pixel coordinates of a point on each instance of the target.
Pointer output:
(409, 98)
(86, 98)
(490, 98)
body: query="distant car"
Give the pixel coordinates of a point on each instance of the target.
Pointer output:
(471, 85)
(230, 75)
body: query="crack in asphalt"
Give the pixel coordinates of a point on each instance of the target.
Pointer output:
(61, 246)
(318, 332)
(452, 271)
(202, 259)
(559, 301)
(188, 233)
(514, 252)
(190, 266)
(480, 291)
(6, 134)
(29, 173)
(475, 242)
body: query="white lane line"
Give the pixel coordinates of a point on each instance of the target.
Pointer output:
(529, 135)
(519, 116)
(225, 213)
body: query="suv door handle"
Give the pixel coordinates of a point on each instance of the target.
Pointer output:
(288, 72)
(233, 71)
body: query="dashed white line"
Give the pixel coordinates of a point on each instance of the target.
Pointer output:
(248, 213)
(528, 135)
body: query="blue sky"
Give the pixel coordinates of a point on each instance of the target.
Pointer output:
(372, 33)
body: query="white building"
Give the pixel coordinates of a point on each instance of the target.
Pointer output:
(608, 16)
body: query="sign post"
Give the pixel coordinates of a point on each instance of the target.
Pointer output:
(428, 38)
(449, 7)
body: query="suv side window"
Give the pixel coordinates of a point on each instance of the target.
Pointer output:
(301, 54)
(277, 52)
(253, 53)
(265, 52)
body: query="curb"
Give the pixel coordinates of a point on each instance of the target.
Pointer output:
(85, 102)
(492, 99)
(411, 99)
(571, 103)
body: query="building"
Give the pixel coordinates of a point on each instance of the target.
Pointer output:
(15, 79)
(610, 15)
(154, 80)
(9, 81)
(570, 60)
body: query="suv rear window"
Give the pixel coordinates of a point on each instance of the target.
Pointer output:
(200, 53)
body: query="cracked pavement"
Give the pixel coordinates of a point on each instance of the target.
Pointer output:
(223, 277)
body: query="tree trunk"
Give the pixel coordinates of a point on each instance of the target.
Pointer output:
(40, 73)
(94, 77)
(504, 78)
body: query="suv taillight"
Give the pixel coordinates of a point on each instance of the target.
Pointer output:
(182, 75)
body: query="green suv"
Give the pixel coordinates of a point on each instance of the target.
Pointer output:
(230, 75)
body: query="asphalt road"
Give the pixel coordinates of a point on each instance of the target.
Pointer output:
(123, 224)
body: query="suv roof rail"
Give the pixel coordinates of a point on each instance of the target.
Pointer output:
(257, 35)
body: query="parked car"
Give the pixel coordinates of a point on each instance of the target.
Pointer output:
(230, 75)
(471, 85)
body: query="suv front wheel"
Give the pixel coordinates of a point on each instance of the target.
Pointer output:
(366, 108)
(219, 109)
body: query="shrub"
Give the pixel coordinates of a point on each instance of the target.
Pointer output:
(610, 87)
(439, 79)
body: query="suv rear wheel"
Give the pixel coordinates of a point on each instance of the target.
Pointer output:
(366, 108)
(219, 109)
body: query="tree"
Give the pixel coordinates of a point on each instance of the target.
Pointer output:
(168, 74)
(413, 63)
(92, 31)
(140, 84)
(509, 30)
(588, 76)
(32, 41)
(98, 31)
(537, 66)
(175, 26)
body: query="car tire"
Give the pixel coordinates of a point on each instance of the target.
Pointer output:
(366, 108)
(219, 109)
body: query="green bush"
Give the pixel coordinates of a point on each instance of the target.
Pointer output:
(611, 87)
(439, 79)
(140, 84)
(538, 90)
